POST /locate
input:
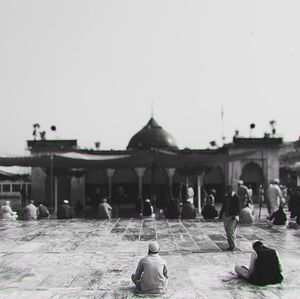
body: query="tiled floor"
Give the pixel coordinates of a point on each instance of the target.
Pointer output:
(94, 259)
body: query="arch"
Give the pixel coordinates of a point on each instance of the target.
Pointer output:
(252, 174)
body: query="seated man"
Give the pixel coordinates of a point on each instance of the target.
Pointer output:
(246, 215)
(42, 211)
(147, 208)
(278, 217)
(264, 266)
(65, 211)
(29, 212)
(6, 212)
(209, 211)
(104, 209)
(188, 211)
(151, 275)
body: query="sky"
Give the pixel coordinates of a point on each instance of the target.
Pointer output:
(96, 69)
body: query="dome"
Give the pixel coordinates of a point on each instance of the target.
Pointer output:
(152, 135)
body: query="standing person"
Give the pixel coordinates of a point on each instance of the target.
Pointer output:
(264, 266)
(65, 211)
(243, 194)
(117, 201)
(190, 195)
(6, 212)
(42, 211)
(104, 210)
(29, 212)
(230, 210)
(274, 196)
(151, 275)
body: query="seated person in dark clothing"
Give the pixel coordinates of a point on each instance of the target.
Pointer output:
(264, 266)
(147, 208)
(65, 211)
(172, 210)
(209, 211)
(42, 211)
(188, 211)
(278, 217)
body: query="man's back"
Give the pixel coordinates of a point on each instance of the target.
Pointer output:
(64, 212)
(30, 212)
(246, 215)
(43, 211)
(154, 273)
(267, 268)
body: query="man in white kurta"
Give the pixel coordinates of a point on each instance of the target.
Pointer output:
(274, 196)
(151, 275)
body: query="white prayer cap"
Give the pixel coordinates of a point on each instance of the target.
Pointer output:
(276, 181)
(65, 201)
(240, 182)
(153, 247)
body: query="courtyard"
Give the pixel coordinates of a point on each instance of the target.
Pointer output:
(94, 259)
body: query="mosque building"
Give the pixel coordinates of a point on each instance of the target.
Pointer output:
(153, 167)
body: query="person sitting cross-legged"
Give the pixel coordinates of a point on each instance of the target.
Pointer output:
(30, 211)
(209, 211)
(151, 275)
(264, 266)
(246, 215)
(148, 209)
(188, 210)
(6, 212)
(65, 211)
(278, 217)
(42, 211)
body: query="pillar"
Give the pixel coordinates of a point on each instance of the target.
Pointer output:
(170, 173)
(298, 178)
(77, 191)
(110, 173)
(140, 172)
(199, 184)
(55, 194)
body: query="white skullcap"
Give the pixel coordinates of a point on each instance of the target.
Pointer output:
(240, 182)
(276, 181)
(153, 247)
(65, 201)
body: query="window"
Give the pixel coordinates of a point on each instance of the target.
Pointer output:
(6, 188)
(16, 188)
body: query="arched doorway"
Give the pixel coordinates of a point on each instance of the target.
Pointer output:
(252, 175)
